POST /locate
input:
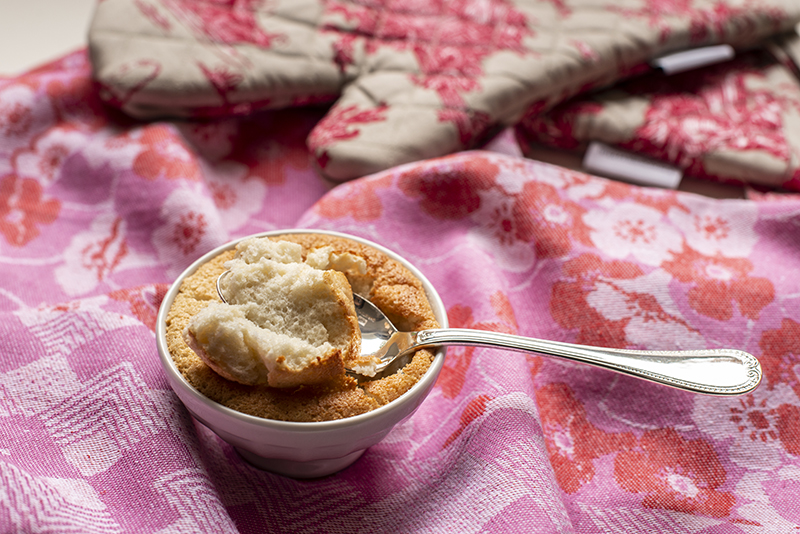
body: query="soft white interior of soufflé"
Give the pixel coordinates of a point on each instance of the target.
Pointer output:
(288, 321)
(279, 347)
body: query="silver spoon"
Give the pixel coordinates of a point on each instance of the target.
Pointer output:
(710, 371)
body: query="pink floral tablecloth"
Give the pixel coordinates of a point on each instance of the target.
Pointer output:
(99, 213)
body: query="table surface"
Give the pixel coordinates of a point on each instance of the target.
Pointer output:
(33, 32)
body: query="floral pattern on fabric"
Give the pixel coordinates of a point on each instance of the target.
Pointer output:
(732, 122)
(409, 80)
(98, 214)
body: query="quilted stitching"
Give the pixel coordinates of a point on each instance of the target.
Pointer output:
(415, 78)
(732, 122)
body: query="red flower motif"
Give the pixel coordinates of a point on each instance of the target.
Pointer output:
(449, 190)
(780, 354)
(52, 157)
(702, 21)
(338, 124)
(506, 218)
(720, 110)
(144, 301)
(758, 422)
(358, 200)
(223, 21)
(103, 255)
(453, 374)
(153, 15)
(718, 282)
(164, 155)
(450, 41)
(573, 442)
(22, 209)
(675, 474)
(570, 308)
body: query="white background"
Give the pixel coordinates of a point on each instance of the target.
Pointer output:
(33, 32)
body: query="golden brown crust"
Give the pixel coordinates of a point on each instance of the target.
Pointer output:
(390, 285)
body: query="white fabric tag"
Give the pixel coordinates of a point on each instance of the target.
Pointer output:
(613, 163)
(691, 59)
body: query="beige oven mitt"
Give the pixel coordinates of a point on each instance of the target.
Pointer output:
(411, 79)
(736, 122)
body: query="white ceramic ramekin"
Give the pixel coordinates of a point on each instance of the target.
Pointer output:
(298, 450)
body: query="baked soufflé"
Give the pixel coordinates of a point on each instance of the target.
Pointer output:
(279, 345)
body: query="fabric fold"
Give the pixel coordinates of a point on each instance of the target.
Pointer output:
(98, 214)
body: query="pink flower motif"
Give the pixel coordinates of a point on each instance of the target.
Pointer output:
(45, 158)
(191, 224)
(188, 231)
(646, 309)
(633, 230)
(22, 209)
(713, 230)
(503, 227)
(22, 115)
(763, 425)
(557, 222)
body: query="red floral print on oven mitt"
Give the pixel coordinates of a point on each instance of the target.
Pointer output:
(412, 79)
(734, 122)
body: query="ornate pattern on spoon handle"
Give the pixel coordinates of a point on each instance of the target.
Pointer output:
(710, 371)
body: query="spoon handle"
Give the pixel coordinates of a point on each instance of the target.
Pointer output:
(711, 371)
